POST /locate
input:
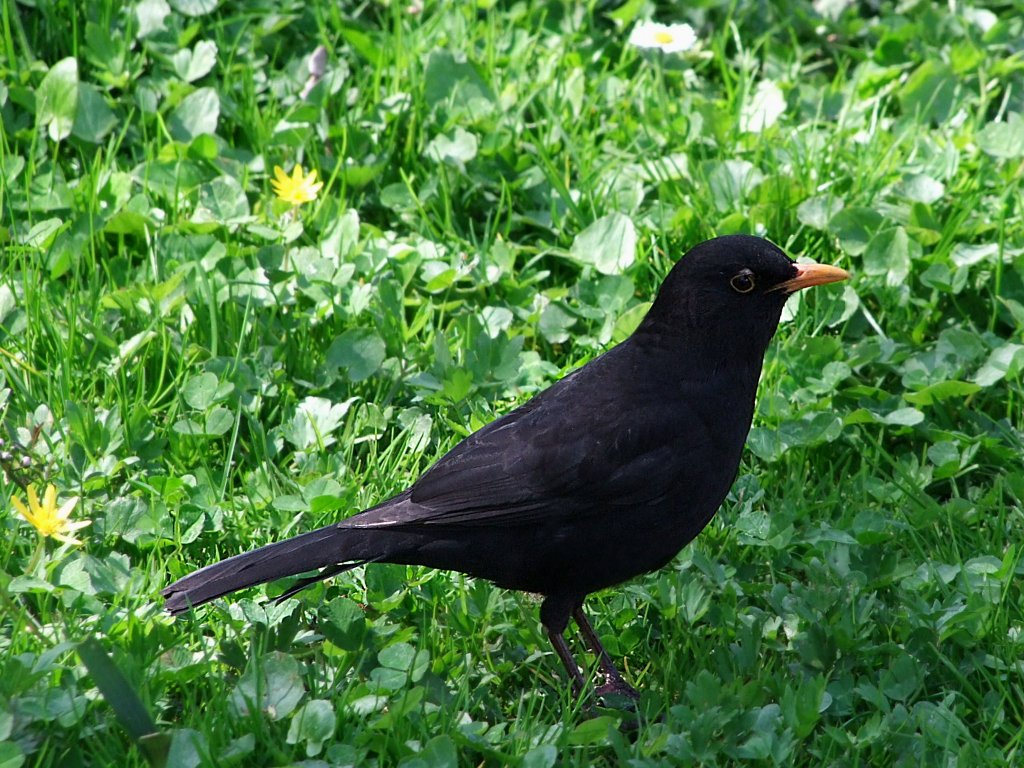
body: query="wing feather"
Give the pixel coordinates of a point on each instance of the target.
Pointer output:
(550, 460)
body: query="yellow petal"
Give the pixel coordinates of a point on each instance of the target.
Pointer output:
(66, 507)
(30, 513)
(50, 499)
(20, 506)
(33, 499)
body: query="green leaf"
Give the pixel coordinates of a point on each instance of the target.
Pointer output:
(150, 15)
(187, 746)
(457, 384)
(57, 99)
(344, 624)
(439, 752)
(608, 244)
(1015, 307)
(945, 455)
(900, 417)
(11, 755)
(763, 108)
(341, 237)
(902, 678)
(494, 320)
(219, 421)
(272, 684)
(456, 85)
(119, 694)
(129, 348)
(313, 724)
(1005, 360)
(593, 731)
(456, 150)
(313, 421)
(624, 15)
(891, 253)
(197, 114)
(116, 689)
(440, 281)
(1004, 140)
(922, 188)
(555, 323)
(189, 427)
(197, 63)
(967, 255)
(11, 167)
(930, 92)
(810, 429)
(200, 392)
(730, 181)
(358, 351)
(398, 656)
(801, 705)
(194, 7)
(93, 118)
(543, 756)
(943, 390)
(817, 212)
(842, 306)
(903, 417)
(362, 42)
(402, 657)
(752, 526)
(222, 201)
(8, 303)
(238, 749)
(42, 233)
(855, 227)
(672, 167)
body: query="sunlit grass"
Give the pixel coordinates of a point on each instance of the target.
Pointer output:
(210, 368)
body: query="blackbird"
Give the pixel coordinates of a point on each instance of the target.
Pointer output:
(605, 475)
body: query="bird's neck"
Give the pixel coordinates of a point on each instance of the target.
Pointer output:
(689, 352)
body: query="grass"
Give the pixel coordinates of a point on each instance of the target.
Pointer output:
(209, 369)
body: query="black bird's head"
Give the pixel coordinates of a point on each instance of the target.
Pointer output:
(727, 294)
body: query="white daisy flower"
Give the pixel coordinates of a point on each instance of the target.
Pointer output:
(670, 38)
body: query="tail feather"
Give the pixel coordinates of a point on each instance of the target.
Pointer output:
(326, 573)
(338, 548)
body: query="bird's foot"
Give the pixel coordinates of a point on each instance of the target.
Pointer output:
(616, 693)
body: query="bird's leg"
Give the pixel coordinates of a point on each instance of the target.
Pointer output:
(562, 649)
(614, 682)
(554, 615)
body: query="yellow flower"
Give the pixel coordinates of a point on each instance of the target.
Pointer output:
(47, 518)
(297, 188)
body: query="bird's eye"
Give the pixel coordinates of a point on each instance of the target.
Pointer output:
(742, 282)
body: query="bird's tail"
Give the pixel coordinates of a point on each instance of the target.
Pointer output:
(333, 548)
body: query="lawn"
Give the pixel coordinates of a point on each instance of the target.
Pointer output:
(206, 367)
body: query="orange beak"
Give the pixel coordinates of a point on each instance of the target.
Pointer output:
(812, 274)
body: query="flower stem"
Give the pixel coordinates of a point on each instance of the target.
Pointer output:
(37, 556)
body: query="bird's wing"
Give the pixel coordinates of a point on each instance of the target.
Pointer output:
(556, 457)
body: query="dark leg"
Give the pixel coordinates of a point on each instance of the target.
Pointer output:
(614, 683)
(562, 649)
(554, 615)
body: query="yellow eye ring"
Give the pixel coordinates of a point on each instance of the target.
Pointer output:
(743, 282)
